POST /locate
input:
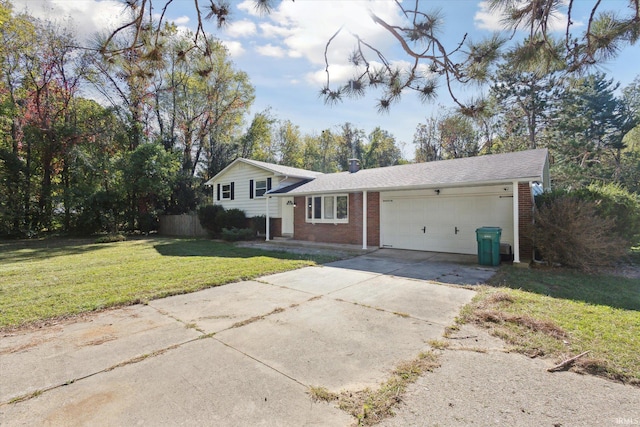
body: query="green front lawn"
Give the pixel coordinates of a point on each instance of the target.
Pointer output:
(54, 278)
(561, 313)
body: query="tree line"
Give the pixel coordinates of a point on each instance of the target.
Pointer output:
(107, 137)
(589, 124)
(94, 141)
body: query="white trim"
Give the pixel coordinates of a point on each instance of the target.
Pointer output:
(322, 220)
(516, 225)
(266, 167)
(364, 220)
(267, 229)
(255, 188)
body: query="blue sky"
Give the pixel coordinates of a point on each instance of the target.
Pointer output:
(283, 52)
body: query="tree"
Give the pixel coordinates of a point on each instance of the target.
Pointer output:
(458, 138)
(427, 141)
(381, 150)
(320, 152)
(256, 142)
(16, 48)
(49, 82)
(522, 98)
(288, 141)
(430, 60)
(148, 174)
(469, 62)
(125, 79)
(350, 145)
(95, 177)
(587, 132)
(199, 103)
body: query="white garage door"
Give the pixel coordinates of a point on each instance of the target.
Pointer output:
(446, 222)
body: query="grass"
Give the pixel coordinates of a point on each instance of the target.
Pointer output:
(369, 406)
(54, 278)
(559, 313)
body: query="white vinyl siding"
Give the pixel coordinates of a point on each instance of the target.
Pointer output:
(241, 175)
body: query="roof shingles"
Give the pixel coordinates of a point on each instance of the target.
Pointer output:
(522, 165)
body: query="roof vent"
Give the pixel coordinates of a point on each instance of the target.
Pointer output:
(354, 165)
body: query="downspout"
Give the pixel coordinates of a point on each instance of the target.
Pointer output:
(364, 220)
(516, 223)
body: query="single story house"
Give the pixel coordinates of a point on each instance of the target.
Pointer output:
(435, 206)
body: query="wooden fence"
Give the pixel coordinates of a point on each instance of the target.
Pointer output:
(181, 225)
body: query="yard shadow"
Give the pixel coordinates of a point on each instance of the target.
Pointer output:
(209, 248)
(446, 268)
(609, 290)
(31, 250)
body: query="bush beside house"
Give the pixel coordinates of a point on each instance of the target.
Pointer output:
(230, 225)
(587, 228)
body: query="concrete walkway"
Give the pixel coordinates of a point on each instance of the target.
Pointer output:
(240, 354)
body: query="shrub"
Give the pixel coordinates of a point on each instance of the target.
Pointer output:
(101, 212)
(237, 234)
(569, 231)
(111, 238)
(259, 224)
(232, 218)
(147, 222)
(614, 201)
(208, 218)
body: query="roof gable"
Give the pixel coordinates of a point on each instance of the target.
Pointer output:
(277, 170)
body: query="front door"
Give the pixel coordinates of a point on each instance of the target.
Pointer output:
(287, 216)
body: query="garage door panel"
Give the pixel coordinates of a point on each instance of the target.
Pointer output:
(443, 223)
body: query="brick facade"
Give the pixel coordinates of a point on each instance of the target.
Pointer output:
(350, 233)
(275, 227)
(525, 221)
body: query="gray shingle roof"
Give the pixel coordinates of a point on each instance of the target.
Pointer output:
(527, 165)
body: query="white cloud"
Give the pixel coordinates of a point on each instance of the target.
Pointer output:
(270, 30)
(487, 19)
(271, 50)
(182, 20)
(244, 28)
(305, 27)
(249, 7)
(339, 75)
(235, 48)
(87, 16)
(493, 20)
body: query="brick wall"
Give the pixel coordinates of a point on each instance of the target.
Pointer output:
(525, 222)
(350, 233)
(275, 227)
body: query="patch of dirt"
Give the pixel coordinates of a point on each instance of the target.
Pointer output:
(82, 411)
(546, 327)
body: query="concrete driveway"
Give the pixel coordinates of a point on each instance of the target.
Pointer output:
(240, 354)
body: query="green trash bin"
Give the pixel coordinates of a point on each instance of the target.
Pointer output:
(488, 245)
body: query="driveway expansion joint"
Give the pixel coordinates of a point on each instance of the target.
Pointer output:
(133, 360)
(261, 362)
